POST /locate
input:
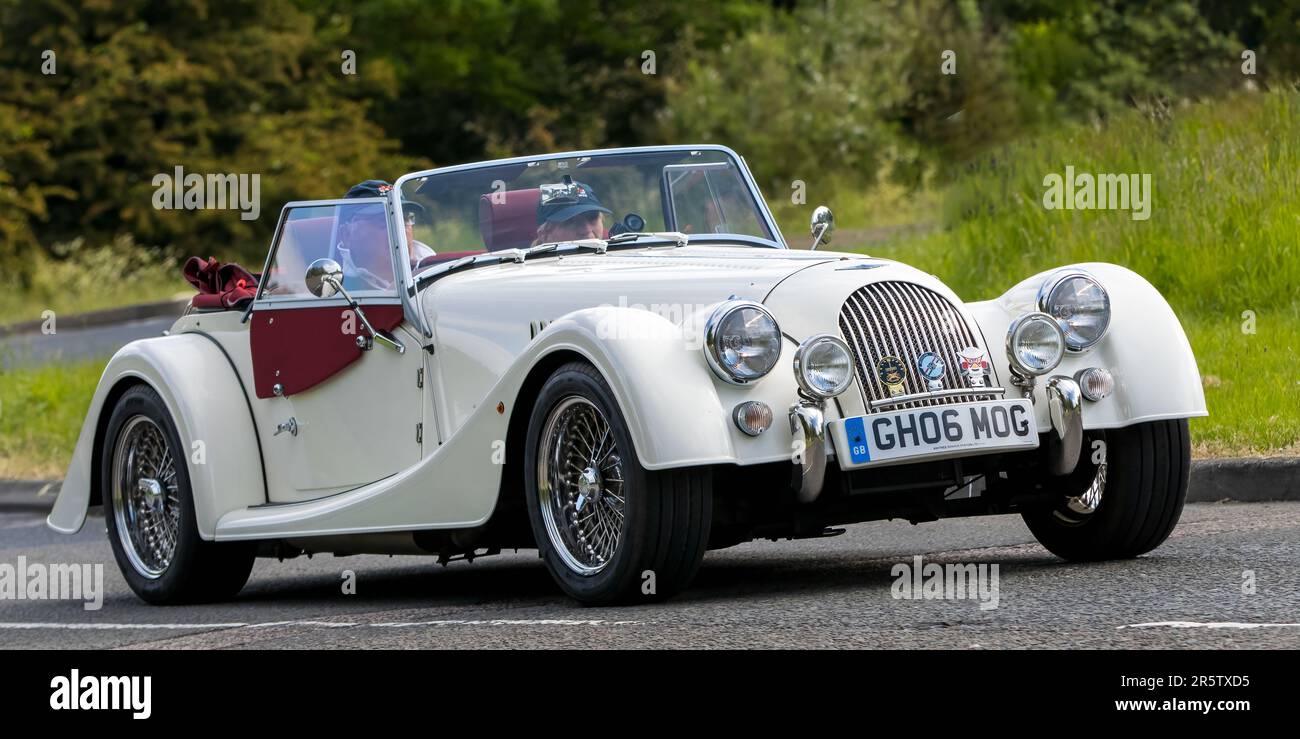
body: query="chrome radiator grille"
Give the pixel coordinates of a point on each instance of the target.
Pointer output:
(903, 320)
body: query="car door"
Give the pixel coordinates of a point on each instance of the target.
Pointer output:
(346, 403)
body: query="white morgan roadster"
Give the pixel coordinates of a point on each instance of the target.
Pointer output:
(613, 357)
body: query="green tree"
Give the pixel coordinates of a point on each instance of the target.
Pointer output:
(486, 78)
(229, 86)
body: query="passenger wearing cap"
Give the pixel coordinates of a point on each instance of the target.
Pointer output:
(569, 211)
(410, 210)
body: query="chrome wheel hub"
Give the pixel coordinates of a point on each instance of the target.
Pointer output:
(146, 497)
(580, 486)
(152, 491)
(588, 488)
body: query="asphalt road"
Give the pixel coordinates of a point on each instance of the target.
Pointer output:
(67, 345)
(826, 593)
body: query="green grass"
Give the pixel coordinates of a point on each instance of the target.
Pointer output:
(1224, 231)
(41, 410)
(1223, 238)
(1252, 385)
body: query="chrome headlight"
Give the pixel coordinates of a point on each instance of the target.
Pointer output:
(1080, 303)
(823, 366)
(741, 341)
(1035, 344)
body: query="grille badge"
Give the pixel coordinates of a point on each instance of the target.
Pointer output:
(931, 368)
(973, 366)
(891, 371)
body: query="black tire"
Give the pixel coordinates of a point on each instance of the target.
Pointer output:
(1145, 486)
(198, 570)
(667, 513)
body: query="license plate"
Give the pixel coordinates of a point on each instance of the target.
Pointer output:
(934, 432)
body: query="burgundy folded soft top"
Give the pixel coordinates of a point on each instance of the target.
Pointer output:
(220, 285)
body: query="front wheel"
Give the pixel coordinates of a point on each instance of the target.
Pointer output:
(1132, 505)
(149, 510)
(609, 530)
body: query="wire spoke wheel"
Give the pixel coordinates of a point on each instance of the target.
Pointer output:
(1078, 509)
(1129, 503)
(580, 485)
(146, 497)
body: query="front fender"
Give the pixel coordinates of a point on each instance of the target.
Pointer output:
(658, 375)
(207, 403)
(1145, 349)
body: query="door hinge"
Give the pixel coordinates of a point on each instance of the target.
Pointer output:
(419, 433)
(419, 378)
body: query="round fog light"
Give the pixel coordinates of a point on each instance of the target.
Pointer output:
(1095, 383)
(823, 366)
(1035, 344)
(753, 417)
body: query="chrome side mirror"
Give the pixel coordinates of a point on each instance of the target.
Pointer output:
(821, 226)
(324, 278)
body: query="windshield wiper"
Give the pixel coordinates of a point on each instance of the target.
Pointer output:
(596, 245)
(426, 276)
(677, 237)
(518, 256)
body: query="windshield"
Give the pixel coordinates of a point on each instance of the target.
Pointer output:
(528, 203)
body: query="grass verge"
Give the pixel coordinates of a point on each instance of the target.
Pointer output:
(41, 410)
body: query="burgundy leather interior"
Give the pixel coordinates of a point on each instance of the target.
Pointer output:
(508, 220)
(300, 348)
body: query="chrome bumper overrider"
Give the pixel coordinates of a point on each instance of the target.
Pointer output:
(1065, 407)
(1064, 443)
(808, 425)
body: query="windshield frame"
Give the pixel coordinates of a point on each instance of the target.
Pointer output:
(759, 201)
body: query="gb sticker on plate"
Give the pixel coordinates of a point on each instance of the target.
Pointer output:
(856, 432)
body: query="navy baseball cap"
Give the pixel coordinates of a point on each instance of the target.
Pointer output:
(561, 201)
(379, 189)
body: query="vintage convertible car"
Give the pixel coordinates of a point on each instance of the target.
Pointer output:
(455, 368)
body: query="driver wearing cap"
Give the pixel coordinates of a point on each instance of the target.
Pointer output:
(569, 211)
(412, 211)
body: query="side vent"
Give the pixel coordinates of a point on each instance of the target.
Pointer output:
(536, 327)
